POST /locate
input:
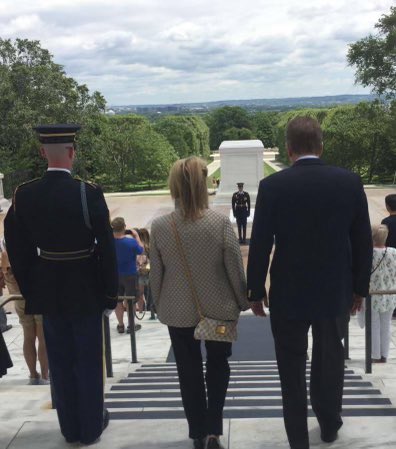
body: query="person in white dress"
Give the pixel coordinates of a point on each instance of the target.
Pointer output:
(383, 278)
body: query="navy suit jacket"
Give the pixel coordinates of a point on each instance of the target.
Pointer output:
(318, 217)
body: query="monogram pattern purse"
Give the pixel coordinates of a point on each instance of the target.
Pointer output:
(208, 328)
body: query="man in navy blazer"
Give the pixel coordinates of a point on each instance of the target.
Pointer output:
(317, 215)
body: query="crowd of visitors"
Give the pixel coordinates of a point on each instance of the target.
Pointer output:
(69, 262)
(132, 249)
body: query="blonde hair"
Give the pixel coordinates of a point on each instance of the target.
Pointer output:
(187, 183)
(380, 234)
(118, 224)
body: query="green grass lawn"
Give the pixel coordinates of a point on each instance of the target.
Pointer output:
(216, 174)
(268, 170)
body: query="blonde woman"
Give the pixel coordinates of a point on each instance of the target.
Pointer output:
(212, 252)
(383, 277)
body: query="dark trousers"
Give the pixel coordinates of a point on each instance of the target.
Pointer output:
(75, 354)
(3, 320)
(203, 407)
(241, 223)
(327, 374)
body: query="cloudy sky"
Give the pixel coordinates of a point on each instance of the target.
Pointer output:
(174, 51)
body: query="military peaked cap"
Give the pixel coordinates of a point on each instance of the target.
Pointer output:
(240, 184)
(60, 133)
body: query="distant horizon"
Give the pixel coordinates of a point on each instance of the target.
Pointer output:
(151, 53)
(371, 95)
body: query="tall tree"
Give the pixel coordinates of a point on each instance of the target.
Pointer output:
(34, 89)
(264, 129)
(222, 119)
(128, 151)
(189, 135)
(375, 57)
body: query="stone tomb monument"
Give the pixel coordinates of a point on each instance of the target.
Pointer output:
(240, 161)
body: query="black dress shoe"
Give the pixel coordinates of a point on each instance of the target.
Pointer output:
(199, 443)
(214, 443)
(329, 437)
(328, 434)
(106, 418)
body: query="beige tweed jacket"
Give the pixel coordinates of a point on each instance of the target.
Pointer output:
(212, 251)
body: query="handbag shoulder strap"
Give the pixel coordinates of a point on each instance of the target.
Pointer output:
(186, 267)
(380, 262)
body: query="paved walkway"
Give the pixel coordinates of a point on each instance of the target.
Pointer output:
(147, 392)
(27, 422)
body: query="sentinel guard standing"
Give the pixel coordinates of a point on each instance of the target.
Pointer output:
(241, 210)
(61, 250)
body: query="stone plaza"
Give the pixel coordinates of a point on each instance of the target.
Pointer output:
(143, 398)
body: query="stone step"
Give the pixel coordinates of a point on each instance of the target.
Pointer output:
(235, 378)
(125, 384)
(262, 402)
(152, 392)
(245, 413)
(238, 393)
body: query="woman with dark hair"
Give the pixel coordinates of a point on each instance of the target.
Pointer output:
(197, 270)
(143, 263)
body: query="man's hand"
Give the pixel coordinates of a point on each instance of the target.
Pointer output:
(257, 308)
(135, 235)
(357, 304)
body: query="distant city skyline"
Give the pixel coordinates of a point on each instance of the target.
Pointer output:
(142, 52)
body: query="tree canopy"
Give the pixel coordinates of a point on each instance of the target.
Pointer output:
(227, 118)
(375, 57)
(35, 90)
(189, 135)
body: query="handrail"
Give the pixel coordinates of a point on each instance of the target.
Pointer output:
(106, 328)
(131, 300)
(383, 292)
(10, 298)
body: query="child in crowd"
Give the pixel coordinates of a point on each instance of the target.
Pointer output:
(390, 222)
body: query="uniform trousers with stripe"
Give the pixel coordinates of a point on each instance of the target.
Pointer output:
(75, 355)
(327, 373)
(203, 406)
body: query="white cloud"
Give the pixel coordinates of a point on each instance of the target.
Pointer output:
(151, 51)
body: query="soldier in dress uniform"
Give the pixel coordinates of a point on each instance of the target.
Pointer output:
(241, 210)
(61, 250)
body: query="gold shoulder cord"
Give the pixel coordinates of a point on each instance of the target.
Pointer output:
(18, 187)
(90, 183)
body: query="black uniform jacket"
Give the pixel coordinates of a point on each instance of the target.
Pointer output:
(47, 214)
(241, 204)
(319, 219)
